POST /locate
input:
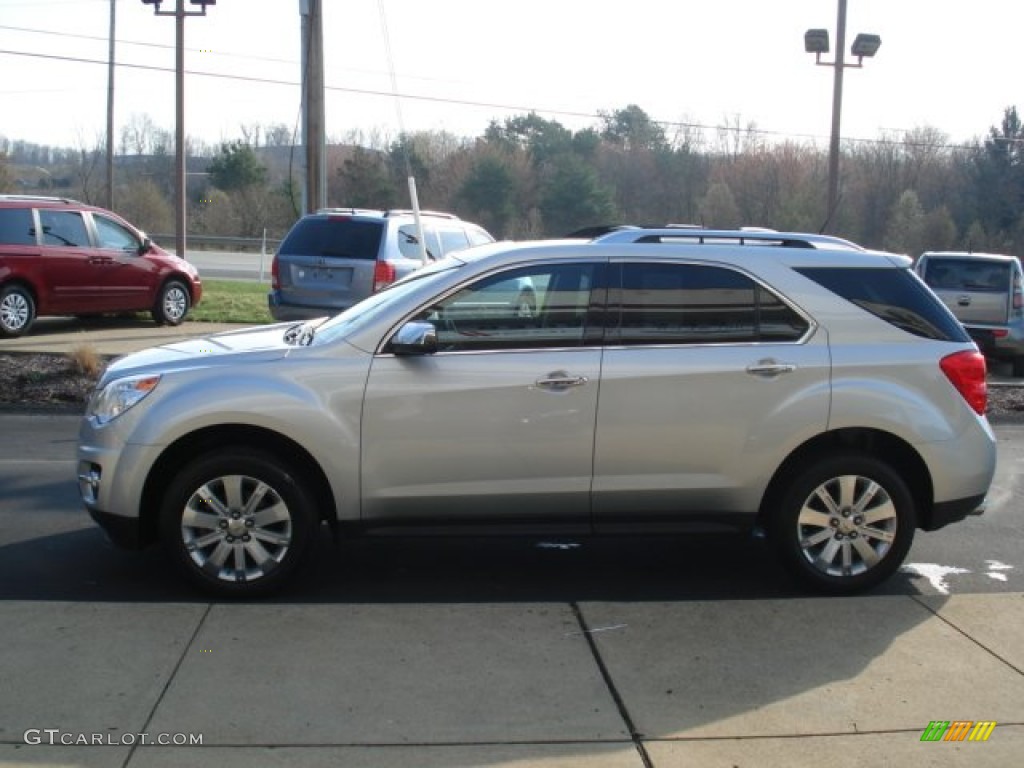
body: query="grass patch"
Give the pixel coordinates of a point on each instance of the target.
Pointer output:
(233, 301)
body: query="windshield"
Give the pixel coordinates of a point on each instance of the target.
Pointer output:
(368, 310)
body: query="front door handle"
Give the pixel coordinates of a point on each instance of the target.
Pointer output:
(559, 381)
(770, 368)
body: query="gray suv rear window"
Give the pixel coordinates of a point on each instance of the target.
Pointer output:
(341, 238)
(894, 295)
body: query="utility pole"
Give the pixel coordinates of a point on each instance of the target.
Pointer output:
(314, 194)
(179, 14)
(109, 199)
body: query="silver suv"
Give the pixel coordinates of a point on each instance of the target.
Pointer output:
(336, 257)
(667, 380)
(986, 293)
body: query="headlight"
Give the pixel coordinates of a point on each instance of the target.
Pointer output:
(120, 395)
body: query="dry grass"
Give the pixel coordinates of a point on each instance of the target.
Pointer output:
(86, 360)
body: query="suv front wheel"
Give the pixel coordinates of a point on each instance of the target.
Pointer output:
(846, 524)
(236, 522)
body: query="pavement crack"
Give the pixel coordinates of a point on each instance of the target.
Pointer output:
(620, 704)
(170, 679)
(994, 654)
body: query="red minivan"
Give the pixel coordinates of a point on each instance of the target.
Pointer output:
(63, 257)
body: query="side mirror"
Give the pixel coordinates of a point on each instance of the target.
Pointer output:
(146, 246)
(414, 338)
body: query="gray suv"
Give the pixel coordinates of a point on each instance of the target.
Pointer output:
(986, 293)
(665, 381)
(336, 257)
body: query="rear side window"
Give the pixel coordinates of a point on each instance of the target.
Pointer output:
(65, 228)
(340, 238)
(453, 240)
(16, 227)
(696, 304)
(894, 295)
(975, 275)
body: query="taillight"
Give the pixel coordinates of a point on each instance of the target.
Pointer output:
(966, 371)
(275, 281)
(383, 275)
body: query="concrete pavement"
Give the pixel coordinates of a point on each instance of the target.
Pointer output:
(798, 682)
(719, 683)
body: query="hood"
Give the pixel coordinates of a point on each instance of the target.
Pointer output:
(258, 344)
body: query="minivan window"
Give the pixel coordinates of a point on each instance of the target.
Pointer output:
(112, 235)
(63, 228)
(337, 237)
(16, 227)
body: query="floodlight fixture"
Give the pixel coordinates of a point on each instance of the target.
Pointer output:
(865, 45)
(816, 41)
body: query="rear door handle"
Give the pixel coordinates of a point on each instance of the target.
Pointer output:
(770, 368)
(559, 381)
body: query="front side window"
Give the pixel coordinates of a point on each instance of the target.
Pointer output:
(16, 227)
(65, 228)
(535, 307)
(697, 304)
(113, 236)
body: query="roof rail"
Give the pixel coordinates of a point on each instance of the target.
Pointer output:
(726, 237)
(351, 211)
(16, 198)
(409, 212)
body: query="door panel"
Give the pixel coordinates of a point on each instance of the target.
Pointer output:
(499, 425)
(480, 436)
(711, 381)
(690, 431)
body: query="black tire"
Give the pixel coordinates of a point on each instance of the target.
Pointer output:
(824, 539)
(172, 303)
(17, 310)
(237, 523)
(1018, 367)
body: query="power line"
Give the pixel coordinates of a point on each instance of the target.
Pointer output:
(481, 104)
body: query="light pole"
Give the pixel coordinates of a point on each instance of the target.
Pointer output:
(864, 46)
(179, 13)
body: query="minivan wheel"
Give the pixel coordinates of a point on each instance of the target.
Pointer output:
(1018, 367)
(172, 303)
(845, 524)
(17, 310)
(237, 523)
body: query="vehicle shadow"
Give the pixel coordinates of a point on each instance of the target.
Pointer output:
(83, 565)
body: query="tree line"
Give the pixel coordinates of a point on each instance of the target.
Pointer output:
(528, 176)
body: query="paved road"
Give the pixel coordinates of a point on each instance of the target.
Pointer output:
(51, 550)
(232, 264)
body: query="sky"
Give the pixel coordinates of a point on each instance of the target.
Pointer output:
(459, 64)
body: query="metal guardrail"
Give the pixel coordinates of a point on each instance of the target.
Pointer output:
(252, 244)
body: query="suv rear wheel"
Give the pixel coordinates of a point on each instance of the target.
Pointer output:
(845, 524)
(17, 310)
(236, 522)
